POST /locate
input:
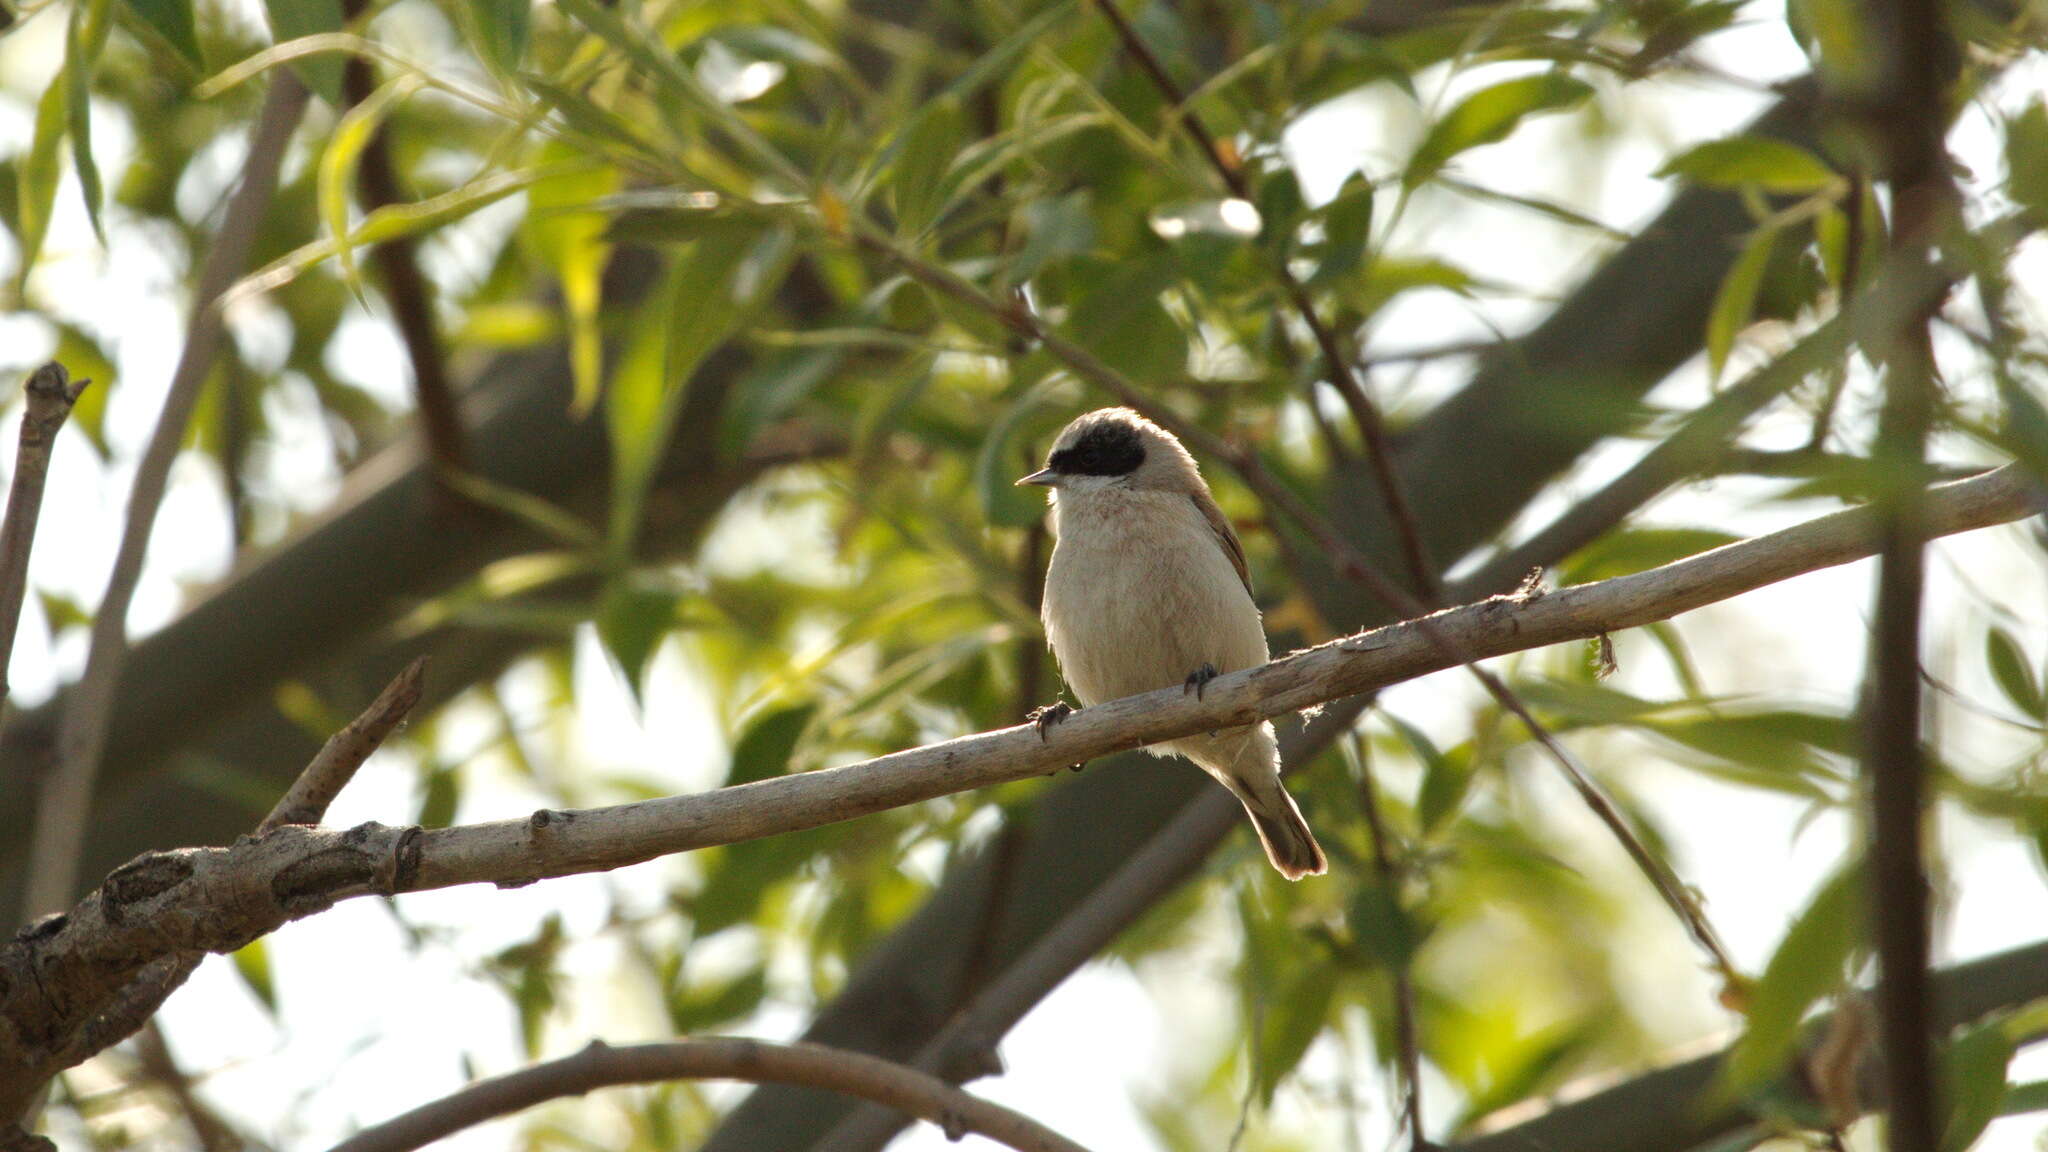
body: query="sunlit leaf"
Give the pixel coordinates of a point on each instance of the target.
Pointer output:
(1764, 162)
(85, 35)
(1735, 303)
(338, 169)
(1490, 115)
(564, 227)
(1810, 963)
(252, 964)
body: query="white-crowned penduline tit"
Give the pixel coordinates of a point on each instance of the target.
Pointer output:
(1147, 589)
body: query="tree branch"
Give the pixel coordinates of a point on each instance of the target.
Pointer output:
(715, 1058)
(218, 899)
(51, 393)
(67, 795)
(88, 1026)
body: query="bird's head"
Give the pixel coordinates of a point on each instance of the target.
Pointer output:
(1116, 448)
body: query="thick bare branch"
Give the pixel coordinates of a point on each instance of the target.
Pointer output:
(67, 794)
(218, 899)
(715, 1058)
(51, 393)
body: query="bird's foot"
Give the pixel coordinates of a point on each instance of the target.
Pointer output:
(1045, 716)
(1198, 680)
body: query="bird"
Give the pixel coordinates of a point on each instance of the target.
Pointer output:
(1148, 588)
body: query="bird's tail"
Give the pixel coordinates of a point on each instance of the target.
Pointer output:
(1289, 844)
(1247, 761)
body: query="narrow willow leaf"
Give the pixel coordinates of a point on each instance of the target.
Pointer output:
(338, 169)
(1763, 162)
(1808, 965)
(252, 964)
(84, 37)
(1489, 116)
(502, 28)
(1735, 304)
(1973, 1069)
(564, 226)
(2009, 668)
(37, 175)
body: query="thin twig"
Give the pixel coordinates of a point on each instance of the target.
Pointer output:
(1407, 1036)
(66, 797)
(306, 801)
(51, 393)
(1363, 411)
(714, 1058)
(1344, 558)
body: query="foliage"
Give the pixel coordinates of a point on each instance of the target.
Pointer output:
(758, 162)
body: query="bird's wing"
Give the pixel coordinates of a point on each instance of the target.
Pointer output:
(1225, 537)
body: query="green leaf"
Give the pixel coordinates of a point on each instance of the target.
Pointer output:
(765, 748)
(720, 279)
(2026, 157)
(1973, 1069)
(917, 178)
(442, 792)
(252, 964)
(1347, 228)
(1002, 460)
(501, 31)
(1489, 116)
(1735, 304)
(1054, 229)
(84, 36)
(1293, 1016)
(2015, 677)
(633, 615)
(701, 1009)
(1763, 162)
(171, 20)
(292, 19)
(37, 175)
(1809, 964)
(565, 228)
(338, 169)
(1120, 318)
(1446, 780)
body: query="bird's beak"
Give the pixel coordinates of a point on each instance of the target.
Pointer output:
(1045, 476)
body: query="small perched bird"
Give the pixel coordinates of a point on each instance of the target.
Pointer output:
(1148, 588)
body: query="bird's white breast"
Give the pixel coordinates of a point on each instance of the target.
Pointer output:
(1140, 593)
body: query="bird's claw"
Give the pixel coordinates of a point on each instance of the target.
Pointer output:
(1045, 716)
(1198, 680)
